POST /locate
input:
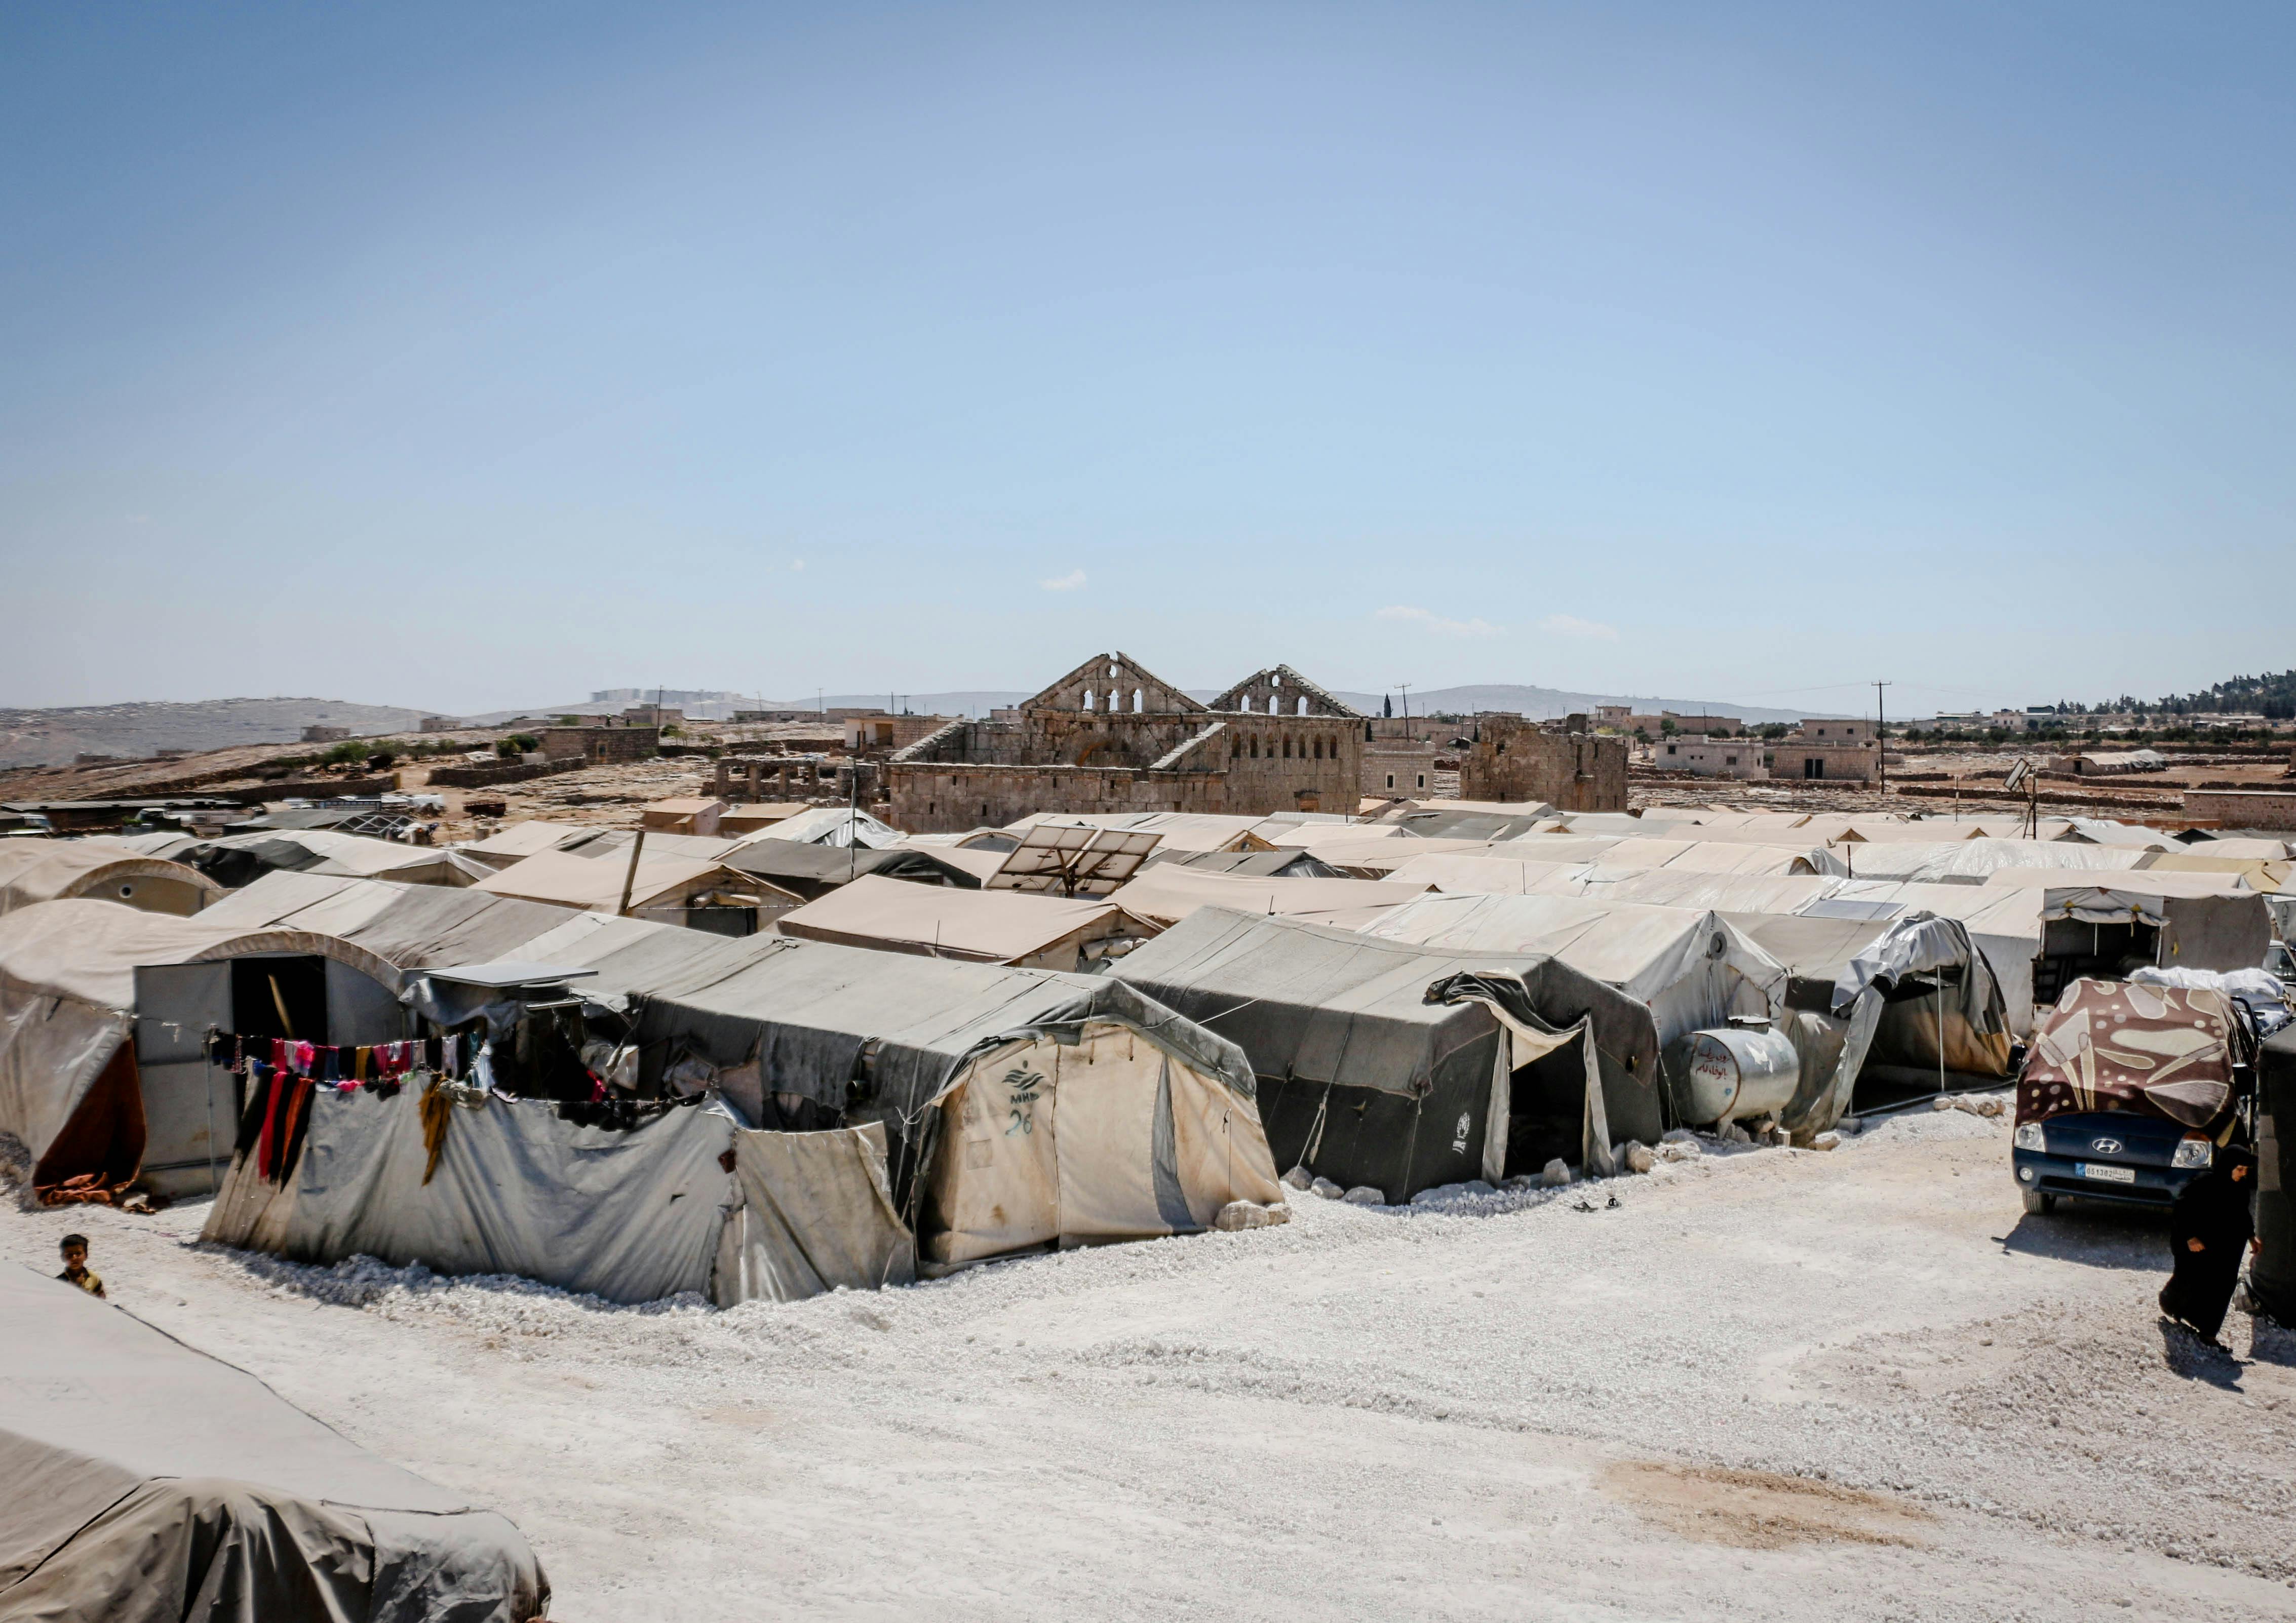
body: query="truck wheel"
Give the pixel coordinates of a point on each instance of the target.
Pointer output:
(2040, 1205)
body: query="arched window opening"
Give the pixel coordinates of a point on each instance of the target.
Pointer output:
(1136, 698)
(1303, 705)
(1087, 699)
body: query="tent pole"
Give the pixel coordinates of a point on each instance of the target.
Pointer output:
(630, 878)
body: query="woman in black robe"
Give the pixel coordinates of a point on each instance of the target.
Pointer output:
(2208, 1231)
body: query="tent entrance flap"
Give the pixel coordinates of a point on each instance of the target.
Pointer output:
(1084, 1135)
(282, 995)
(2074, 948)
(103, 1137)
(816, 1214)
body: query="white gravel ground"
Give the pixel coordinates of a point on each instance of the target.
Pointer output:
(1765, 1384)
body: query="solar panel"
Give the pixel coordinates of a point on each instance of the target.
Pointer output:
(1067, 860)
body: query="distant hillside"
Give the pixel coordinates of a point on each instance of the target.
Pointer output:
(53, 738)
(965, 703)
(1540, 703)
(1545, 703)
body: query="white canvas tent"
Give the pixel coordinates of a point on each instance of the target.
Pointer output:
(150, 1483)
(36, 870)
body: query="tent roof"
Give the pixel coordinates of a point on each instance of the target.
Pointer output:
(822, 864)
(1346, 1009)
(525, 839)
(89, 950)
(990, 926)
(1331, 1006)
(1811, 949)
(1490, 873)
(1639, 949)
(101, 1404)
(1777, 893)
(1168, 892)
(34, 870)
(568, 879)
(1925, 863)
(1251, 864)
(806, 1009)
(829, 826)
(2135, 882)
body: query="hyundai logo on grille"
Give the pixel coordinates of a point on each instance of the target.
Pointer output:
(2105, 1146)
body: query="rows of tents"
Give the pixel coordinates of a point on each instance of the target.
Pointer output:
(915, 1068)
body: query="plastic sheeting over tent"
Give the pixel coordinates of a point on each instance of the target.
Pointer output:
(1692, 969)
(1401, 1067)
(154, 1484)
(832, 825)
(36, 870)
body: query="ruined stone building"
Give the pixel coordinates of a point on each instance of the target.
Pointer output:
(1561, 763)
(1110, 736)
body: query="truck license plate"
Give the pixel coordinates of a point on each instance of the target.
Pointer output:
(2106, 1174)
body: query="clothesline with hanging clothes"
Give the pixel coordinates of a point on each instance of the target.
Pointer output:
(342, 1065)
(283, 1073)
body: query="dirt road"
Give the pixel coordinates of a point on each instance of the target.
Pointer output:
(1766, 1384)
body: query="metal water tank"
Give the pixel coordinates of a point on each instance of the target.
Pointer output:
(1729, 1074)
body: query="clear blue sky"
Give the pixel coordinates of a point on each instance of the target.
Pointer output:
(480, 354)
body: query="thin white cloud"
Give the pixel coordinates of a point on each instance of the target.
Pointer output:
(1436, 624)
(797, 564)
(1070, 582)
(1570, 624)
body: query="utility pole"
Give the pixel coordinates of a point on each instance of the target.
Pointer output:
(1880, 739)
(1406, 688)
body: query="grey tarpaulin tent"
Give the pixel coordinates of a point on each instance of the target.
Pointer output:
(150, 1483)
(1691, 968)
(792, 1034)
(1405, 1067)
